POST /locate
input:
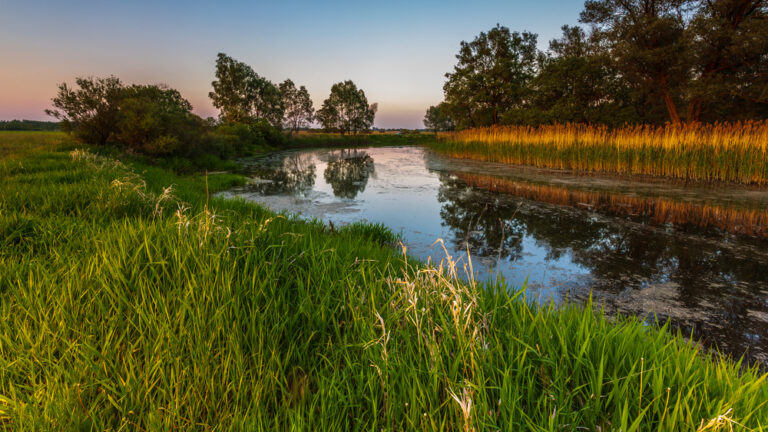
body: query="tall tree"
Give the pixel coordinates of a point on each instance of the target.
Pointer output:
(242, 95)
(728, 46)
(347, 109)
(491, 76)
(647, 41)
(299, 111)
(90, 111)
(578, 83)
(437, 118)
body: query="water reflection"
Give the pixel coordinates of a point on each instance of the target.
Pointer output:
(695, 256)
(348, 171)
(713, 285)
(649, 210)
(295, 174)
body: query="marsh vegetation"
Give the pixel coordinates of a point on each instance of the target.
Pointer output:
(725, 152)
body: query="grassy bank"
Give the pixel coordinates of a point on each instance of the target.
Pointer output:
(736, 152)
(125, 305)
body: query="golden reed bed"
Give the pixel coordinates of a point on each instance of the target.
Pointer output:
(728, 152)
(659, 211)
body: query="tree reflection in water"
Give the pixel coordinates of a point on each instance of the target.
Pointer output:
(348, 171)
(713, 284)
(296, 175)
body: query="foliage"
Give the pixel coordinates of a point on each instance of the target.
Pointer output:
(641, 62)
(242, 139)
(735, 152)
(728, 50)
(648, 44)
(91, 110)
(299, 111)
(577, 83)
(491, 77)
(242, 95)
(346, 109)
(126, 305)
(437, 118)
(157, 121)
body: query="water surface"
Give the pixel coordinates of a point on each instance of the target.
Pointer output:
(695, 255)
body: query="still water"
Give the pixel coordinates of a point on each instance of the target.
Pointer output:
(697, 256)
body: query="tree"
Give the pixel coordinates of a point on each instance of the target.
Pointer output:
(299, 111)
(91, 111)
(728, 45)
(647, 41)
(578, 83)
(347, 109)
(491, 76)
(437, 118)
(157, 121)
(242, 95)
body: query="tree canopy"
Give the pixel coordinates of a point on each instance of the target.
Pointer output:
(242, 95)
(156, 120)
(491, 76)
(299, 111)
(437, 118)
(638, 61)
(90, 111)
(347, 109)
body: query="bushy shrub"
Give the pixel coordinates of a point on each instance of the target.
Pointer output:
(239, 139)
(156, 121)
(90, 112)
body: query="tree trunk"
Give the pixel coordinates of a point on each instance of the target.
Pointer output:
(693, 112)
(674, 117)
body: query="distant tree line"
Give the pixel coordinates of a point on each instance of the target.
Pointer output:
(28, 125)
(157, 121)
(639, 61)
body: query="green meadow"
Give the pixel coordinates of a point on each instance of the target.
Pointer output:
(131, 298)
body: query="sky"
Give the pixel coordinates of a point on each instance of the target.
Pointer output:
(397, 51)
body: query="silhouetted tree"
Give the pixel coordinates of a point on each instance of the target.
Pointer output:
(647, 42)
(437, 118)
(728, 49)
(347, 109)
(491, 77)
(242, 95)
(90, 112)
(577, 82)
(299, 111)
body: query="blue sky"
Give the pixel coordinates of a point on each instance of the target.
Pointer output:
(397, 51)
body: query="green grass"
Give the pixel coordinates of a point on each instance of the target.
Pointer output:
(125, 307)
